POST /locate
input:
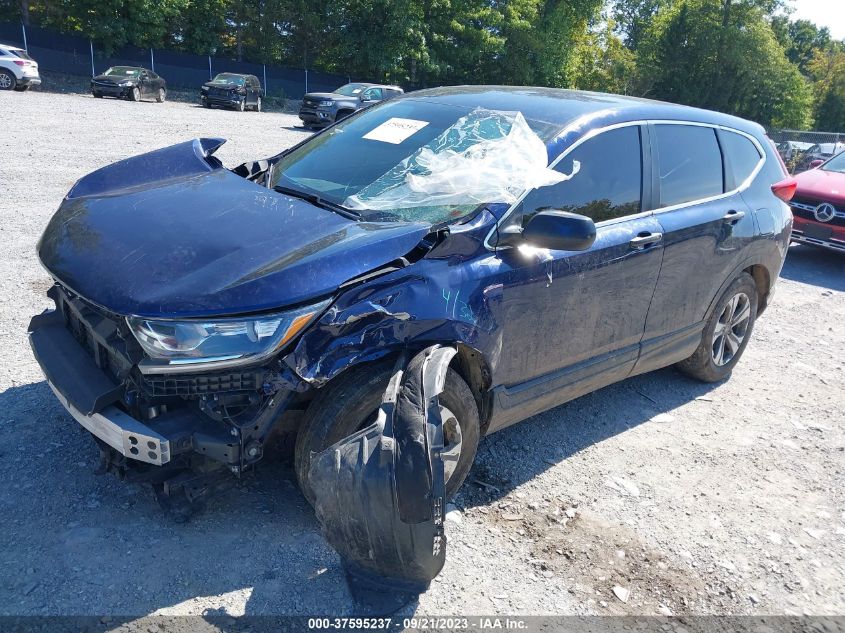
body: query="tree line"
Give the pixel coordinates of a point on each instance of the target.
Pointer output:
(746, 57)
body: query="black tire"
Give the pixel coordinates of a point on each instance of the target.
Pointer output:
(135, 94)
(708, 363)
(7, 80)
(97, 95)
(350, 403)
(162, 95)
(206, 104)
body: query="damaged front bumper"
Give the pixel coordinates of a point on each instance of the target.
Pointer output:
(83, 379)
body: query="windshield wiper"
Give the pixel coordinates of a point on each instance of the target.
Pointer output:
(318, 201)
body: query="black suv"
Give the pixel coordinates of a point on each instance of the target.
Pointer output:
(232, 90)
(324, 108)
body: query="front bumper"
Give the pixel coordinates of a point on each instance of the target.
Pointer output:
(315, 117)
(110, 91)
(96, 402)
(228, 102)
(826, 235)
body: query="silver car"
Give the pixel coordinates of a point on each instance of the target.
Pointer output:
(18, 71)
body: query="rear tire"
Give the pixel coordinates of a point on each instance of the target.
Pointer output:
(7, 80)
(350, 403)
(726, 334)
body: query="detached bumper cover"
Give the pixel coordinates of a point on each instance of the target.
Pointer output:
(380, 493)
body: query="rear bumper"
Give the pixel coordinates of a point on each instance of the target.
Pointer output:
(29, 80)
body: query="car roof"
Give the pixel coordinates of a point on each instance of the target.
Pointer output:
(562, 107)
(10, 47)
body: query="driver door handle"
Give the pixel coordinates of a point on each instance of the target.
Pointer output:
(645, 239)
(733, 216)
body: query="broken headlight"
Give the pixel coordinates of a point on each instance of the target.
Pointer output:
(197, 343)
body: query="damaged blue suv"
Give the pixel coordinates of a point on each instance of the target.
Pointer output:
(556, 241)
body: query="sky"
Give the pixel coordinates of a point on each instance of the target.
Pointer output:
(829, 13)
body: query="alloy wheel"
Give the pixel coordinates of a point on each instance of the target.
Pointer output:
(5, 81)
(731, 329)
(452, 442)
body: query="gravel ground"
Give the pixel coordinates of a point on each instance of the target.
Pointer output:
(658, 494)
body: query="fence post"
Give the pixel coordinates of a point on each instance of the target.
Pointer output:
(152, 61)
(209, 68)
(23, 28)
(306, 80)
(265, 78)
(91, 43)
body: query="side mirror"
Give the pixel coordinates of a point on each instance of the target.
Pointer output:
(553, 229)
(815, 163)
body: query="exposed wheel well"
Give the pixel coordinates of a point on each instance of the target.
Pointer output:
(763, 280)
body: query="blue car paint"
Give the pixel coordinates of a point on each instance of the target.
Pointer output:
(542, 329)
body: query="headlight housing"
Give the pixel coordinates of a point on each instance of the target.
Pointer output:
(326, 104)
(125, 84)
(206, 344)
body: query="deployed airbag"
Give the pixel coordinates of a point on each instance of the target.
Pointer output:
(380, 493)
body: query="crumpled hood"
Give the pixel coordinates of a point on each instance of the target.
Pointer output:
(228, 86)
(174, 234)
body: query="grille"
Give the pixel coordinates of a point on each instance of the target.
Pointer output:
(218, 92)
(805, 208)
(98, 334)
(199, 385)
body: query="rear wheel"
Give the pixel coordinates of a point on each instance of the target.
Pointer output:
(726, 334)
(7, 80)
(351, 403)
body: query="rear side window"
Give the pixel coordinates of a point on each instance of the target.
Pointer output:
(608, 184)
(690, 163)
(742, 157)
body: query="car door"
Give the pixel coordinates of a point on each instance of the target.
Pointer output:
(573, 321)
(706, 226)
(145, 84)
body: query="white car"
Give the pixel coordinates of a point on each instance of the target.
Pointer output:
(18, 71)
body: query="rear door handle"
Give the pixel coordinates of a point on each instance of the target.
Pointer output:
(644, 240)
(733, 216)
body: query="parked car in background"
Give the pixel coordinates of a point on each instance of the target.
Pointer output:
(18, 71)
(232, 90)
(792, 151)
(819, 205)
(324, 108)
(817, 154)
(549, 237)
(129, 82)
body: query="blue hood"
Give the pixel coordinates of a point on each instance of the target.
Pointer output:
(174, 234)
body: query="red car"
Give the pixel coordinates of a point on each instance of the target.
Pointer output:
(819, 205)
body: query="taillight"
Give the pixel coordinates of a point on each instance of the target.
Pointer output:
(20, 62)
(785, 189)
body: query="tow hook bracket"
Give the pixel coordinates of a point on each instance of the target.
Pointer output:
(380, 493)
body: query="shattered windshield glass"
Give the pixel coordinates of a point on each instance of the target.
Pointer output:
(421, 161)
(226, 78)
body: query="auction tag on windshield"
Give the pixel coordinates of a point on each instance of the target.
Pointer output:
(395, 130)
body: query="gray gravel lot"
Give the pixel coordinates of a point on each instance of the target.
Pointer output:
(691, 498)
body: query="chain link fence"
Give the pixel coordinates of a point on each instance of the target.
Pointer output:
(73, 55)
(801, 149)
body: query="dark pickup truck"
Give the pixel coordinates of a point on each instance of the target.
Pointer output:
(324, 108)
